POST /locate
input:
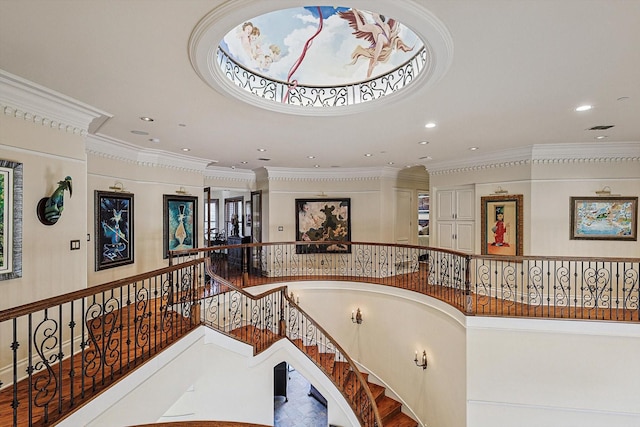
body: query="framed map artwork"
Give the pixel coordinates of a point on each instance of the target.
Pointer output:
(604, 218)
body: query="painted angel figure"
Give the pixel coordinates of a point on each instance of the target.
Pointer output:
(382, 36)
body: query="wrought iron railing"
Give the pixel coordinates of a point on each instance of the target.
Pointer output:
(527, 286)
(58, 353)
(322, 96)
(263, 319)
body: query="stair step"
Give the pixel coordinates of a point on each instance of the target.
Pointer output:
(376, 390)
(341, 373)
(388, 407)
(400, 420)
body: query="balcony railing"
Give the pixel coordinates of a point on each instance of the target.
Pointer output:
(58, 353)
(527, 286)
(321, 96)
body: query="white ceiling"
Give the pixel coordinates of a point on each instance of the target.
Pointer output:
(518, 70)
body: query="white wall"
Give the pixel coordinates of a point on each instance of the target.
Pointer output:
(396, 324)
(206, 376)
(547, 185)
(48, 155)
(561, 373)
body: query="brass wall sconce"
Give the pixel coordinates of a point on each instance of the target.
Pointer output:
(356, 317)
(423, 361)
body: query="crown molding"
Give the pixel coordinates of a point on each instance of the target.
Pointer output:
(22, 99)
(237, 175)
(542, 154)
(330, 174)
(111, 148)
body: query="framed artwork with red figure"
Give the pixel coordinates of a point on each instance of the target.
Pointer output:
(502, 225)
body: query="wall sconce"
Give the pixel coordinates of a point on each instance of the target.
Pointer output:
(423, 362)
(295, 299)
(182, 191)
(500, 190)
(117, 187)
(356, 317)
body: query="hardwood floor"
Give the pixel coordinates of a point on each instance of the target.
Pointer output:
(54, 392)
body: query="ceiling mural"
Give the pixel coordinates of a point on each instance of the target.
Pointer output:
(321, 45)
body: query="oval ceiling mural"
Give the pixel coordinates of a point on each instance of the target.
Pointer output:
(321, 45)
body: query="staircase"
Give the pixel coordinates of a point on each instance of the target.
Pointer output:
(339, 372)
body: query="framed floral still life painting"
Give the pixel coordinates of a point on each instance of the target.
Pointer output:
(113, 229)
(10, 220)
(180, 228)
(323, 220)
(502, 225)
(604, 218)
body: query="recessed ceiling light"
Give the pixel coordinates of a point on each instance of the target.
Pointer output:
(182, 125)
(390, 163)
(623, 98)
(430, 125)
(423, 142)
(473, 148)
(140, 132)
(584, 108)
(262, 149)
(154, 139)
(601, 137)
(316, 166)
(146, 119)
(311, 157)
(426, 158)
(186, 149)
(368, 155)
(244, 163)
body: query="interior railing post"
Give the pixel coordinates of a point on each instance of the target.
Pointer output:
(467, 285)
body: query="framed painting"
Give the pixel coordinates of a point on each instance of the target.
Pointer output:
(10, 220)
(502, 225)
(180, 223)
(604, 218)
(113, 229)
(323, 220)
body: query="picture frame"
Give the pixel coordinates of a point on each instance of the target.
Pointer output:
(180, 223)
(11, 201)
(323, 220)
(114, 236)
(502, 225)
(604, 218)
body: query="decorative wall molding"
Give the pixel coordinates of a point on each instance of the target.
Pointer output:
(543, 155)
(111, 148)
(22, 99)
(330, 174)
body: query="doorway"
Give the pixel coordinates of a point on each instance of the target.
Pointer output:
(296, 402)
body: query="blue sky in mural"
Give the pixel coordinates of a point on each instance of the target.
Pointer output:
(277, 43)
